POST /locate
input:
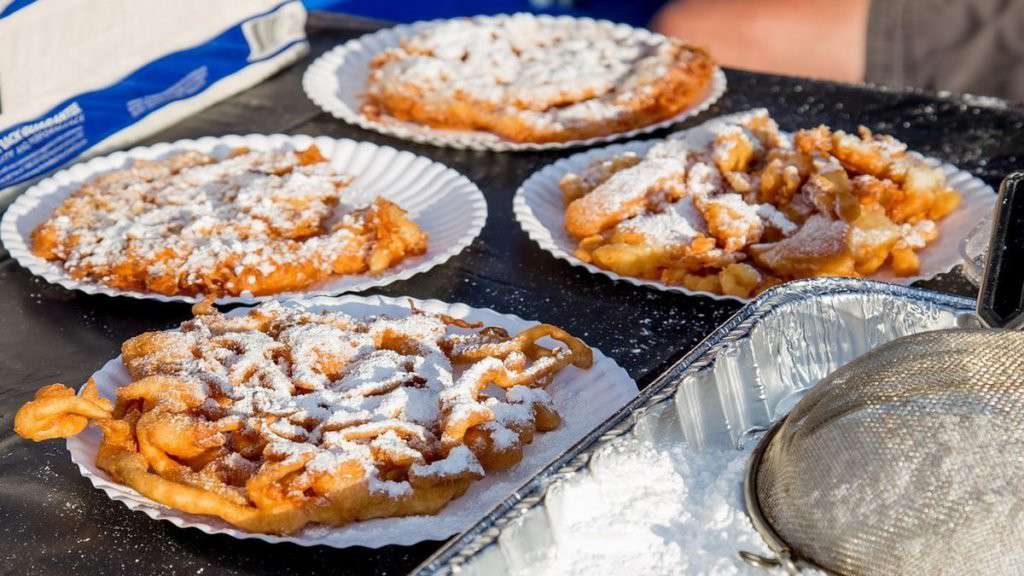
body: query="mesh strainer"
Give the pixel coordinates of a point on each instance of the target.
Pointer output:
(910, 459)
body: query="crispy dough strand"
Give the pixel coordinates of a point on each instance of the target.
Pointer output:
(449, 320)
(56, 412)
(526, 342)
(216, 424)
(260, 222)
(738, 207)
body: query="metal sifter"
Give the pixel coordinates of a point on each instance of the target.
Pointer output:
(910, 459)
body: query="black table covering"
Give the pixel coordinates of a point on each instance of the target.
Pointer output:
(52, 521)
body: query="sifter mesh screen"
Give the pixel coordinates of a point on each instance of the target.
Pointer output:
(908, 460)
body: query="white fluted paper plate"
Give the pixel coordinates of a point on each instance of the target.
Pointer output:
(336, 82)
(445, 204)
(540, 211)
(584, 398)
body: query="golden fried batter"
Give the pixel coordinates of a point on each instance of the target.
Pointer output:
(282, 418)
(256, 222)
(528, 79)
(756, 207)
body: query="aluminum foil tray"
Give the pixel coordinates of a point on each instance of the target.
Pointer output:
(744, 376)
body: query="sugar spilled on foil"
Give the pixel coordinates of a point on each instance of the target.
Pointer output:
(641, 510)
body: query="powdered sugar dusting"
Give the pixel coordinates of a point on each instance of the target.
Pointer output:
(546, 73)
(636, 182)
(322, 386)
(919, 234)
(742, 218)
(338, 392)
(746, 211)
(676, 226)
(641, 510)
(583, 398)
(192, 223)
(459, 460)
(771, 215)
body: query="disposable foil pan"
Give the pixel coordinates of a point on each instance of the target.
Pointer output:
(744, 376)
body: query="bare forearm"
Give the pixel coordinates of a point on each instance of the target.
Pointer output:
(819, 38)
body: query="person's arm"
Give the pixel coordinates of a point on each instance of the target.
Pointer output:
(817, 38)
(974, 46)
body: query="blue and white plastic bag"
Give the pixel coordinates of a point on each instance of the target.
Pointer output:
(82, 77)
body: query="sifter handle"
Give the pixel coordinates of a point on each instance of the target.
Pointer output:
(1001, 300)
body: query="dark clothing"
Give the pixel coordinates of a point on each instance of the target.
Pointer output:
(973, 46)
(635, 12)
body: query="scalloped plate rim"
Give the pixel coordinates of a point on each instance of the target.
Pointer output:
(321, 76)
(139, 503)
(542, 236)
(17, 244)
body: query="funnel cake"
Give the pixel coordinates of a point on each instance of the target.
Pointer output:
(258, 222)
(531, 79)
(739, 206)
(282, 418)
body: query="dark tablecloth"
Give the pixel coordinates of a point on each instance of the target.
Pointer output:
(52, 521)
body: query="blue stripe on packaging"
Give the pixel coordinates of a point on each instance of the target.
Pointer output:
(39, 145)
(13, 7)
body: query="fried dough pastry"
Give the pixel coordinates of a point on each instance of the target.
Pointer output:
(256, 222)
(755, 207)
(529, 79)
(281, 418)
